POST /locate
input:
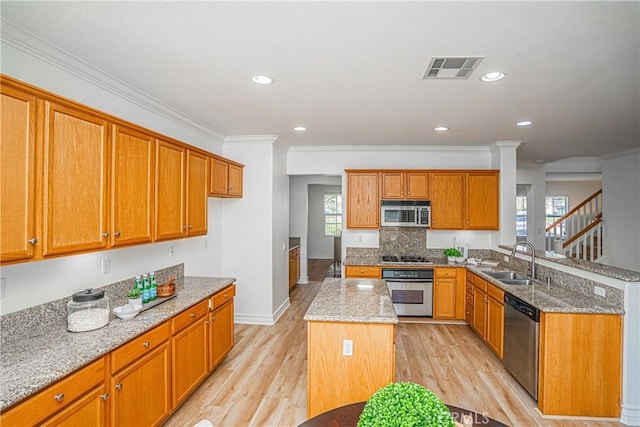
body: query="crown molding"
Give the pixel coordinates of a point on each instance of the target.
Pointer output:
(18, 38)
(387, 148)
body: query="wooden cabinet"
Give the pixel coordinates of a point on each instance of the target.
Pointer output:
(448, 293)
(580, 364)
(78, 399)
(482, 200)
(405, 185)
(465, 200)
(363, 200)
(181, 191)
(225, 178)
(294, 266)
(479, 311)
(76, 161)
(140, 381)
(447, 200)
(18, 172)
(362, 271)
(334, 380)
(495, 319)
(189, 351)
(132, 188)
(221, 326)
(468, 307)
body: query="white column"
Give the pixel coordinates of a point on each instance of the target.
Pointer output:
(503, 157)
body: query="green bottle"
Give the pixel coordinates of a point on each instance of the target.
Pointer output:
(139, 284)
(146, 289)
(153, 286)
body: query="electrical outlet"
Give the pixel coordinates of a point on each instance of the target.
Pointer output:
(172, 251)
(599, 291)
(347, 347)
(3, 285)
(506, 258)
(106, 265)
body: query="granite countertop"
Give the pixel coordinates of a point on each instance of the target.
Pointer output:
(550, 299)
(30, 364)
(352, 300)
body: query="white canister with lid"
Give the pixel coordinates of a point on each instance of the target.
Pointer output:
(87, 310)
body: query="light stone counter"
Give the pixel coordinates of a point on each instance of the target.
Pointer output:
(33, 362)
(352, 300)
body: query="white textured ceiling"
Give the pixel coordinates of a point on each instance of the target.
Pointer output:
(352, 71)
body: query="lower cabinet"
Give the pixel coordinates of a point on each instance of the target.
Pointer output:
(485, 312)
(140, 380)
(362, 271)
(294, 266)
(221, 329)
(79, 399)
(448, 293)
(495, 319)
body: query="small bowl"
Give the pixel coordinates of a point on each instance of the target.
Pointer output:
(460, 259)
(127, 311)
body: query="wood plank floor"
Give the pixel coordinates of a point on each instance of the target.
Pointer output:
(262, 382)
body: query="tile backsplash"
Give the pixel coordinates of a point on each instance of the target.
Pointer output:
(403, 241)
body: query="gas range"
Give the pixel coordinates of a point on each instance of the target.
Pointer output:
(410, 259)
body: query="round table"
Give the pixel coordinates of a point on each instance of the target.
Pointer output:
(347, 416)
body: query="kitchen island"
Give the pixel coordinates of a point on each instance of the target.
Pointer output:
(351, 335)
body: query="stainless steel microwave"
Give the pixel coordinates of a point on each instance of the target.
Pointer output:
(405, 213)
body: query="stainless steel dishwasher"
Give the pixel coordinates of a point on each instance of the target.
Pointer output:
(521, 340)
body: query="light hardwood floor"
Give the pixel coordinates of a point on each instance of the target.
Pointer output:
(262, 382)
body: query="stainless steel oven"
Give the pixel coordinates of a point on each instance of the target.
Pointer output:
(411, 290)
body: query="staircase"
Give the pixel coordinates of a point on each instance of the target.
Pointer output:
(578, 234)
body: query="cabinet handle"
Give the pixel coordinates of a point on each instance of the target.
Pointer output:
(33, 240)
(119, 386)
(104, 396)
(146, 344)
(59, 397)
(184, 227)
(190, 226)
(213, 318)
(226, 296)
(117, 234)
(105, 234)
(193, 315)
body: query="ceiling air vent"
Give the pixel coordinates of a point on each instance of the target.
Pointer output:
(452, 67)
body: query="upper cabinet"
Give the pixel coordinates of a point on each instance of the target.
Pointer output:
(405, 185)
(447, 200)
(132, 188)
(18, 173)
(225, 178)
(76, 180)
(482, 201)
(76, 167)
(363, 199)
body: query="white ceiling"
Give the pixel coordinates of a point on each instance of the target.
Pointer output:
(352, 71)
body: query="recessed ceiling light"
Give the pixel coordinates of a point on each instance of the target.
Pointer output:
(300, 128)
(441, 128)
(492, 77)
(262, 80)
(524, 123)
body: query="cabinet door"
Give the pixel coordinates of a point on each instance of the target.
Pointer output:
(196, 201)
(417, 184)
(392, 185)
(479, 311)
(495, 325)
(132, 187)
(170, 174)
(444, 298)
(221, 333)
(218, 183)
(482, 200)
(362, 271)
(189, 360)
(17, 175)
(90, 410)
(141, 392)
(76, 159)
(447, 203)
(363, 201)
(235, 180)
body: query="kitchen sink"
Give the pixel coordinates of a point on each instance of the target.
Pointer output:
(517, 281)
(507, 275)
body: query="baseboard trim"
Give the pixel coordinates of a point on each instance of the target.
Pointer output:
(252, 319)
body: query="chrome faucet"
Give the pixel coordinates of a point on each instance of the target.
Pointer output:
(533, 254)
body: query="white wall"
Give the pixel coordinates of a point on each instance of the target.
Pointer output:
(577, 191)
(280, 223)
(534, 176)
(34, 283)
(621, 209)
(319, 245)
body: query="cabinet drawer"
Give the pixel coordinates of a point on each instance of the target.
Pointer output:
(496, 293)
(56, 397)
(135, 348)
(469, 299)
(480, 283)
(223, 296)
(189, 316)
(368, 271)
(445, 272)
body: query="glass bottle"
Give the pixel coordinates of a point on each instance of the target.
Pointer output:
(146, 289)
(153, 286)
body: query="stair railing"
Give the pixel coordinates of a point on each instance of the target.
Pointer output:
(586, 244)
(574, 221)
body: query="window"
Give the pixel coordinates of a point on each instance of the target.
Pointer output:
(521, 216)
(333, 214)
(556, 207)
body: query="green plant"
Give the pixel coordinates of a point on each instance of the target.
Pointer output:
(405, 405)
(452, 252)
(134, 293)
